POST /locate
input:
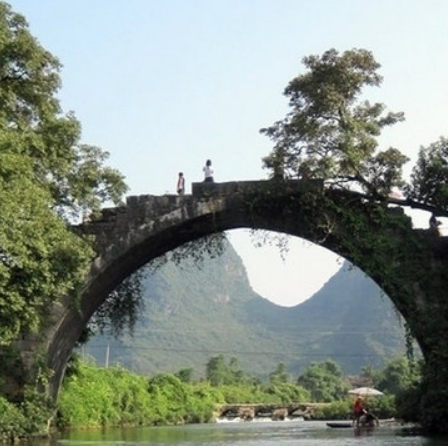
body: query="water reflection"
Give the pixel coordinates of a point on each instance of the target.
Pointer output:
(301, 433)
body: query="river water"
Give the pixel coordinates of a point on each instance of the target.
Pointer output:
(285, 433)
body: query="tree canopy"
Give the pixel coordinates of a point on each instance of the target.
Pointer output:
(48, 179)
(429, 177)
(220, 373)
(331, 133)
(324, 380)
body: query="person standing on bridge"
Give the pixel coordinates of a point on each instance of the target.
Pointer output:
(181, 184)
(208, 172)
(434, 225)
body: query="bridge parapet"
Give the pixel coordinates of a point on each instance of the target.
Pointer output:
(205, 190)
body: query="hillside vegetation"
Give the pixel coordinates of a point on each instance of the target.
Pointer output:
(192, 312)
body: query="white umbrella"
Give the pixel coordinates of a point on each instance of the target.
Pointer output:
(365, 391)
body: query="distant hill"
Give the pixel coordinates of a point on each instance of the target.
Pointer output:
(194, 313)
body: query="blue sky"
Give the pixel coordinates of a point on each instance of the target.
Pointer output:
(165, 84)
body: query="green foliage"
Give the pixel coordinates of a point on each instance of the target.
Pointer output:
(219, 373)
(429, 179)
(342, 409)
(99, 397)
(397, 376)
(40, 259)
(30, 417)
(203, 403)
(433, 393)
(408, 404)
(208, 247)
(37, 408)
(12, 421)
(12, 368)
(329, 134)
(285, 392)
(170, 398)
(263, 393)
(94, 397)
(279, 375)
(121, 308)
(336, 410)
(191, 313)
(324, 381)
(383, 407)
(46, 177)
(175, 401)
(185, 375)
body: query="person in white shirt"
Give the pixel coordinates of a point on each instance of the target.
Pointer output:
(208, 172)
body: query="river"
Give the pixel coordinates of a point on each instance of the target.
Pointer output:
(286, 433)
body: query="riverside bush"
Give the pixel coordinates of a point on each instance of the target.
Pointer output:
(94, 397)
(336, 410)
(12, 421)
(382, 407)
(264, 393)
(104, 397)
(30, 417)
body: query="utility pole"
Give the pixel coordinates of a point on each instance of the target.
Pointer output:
(107, 357)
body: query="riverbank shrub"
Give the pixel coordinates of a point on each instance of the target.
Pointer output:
(268, 393)
(12, 421)
(96, 397)
(383, 407)
(176, 402)
(26, 419)
(408, 404)
(336, 410)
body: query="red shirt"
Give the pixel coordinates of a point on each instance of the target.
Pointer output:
(358, 406)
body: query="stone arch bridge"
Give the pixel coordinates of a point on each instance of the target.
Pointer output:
(409, 265)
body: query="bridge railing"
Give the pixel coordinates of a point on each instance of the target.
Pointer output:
(204, 189)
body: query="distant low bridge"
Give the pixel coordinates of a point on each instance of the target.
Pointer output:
(277, 412)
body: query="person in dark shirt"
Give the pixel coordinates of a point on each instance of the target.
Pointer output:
(434, 224)
(181, 184)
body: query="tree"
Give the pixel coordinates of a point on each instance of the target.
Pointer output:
(397, 377)
(279, 375)
(219, 373)
(329, 134)
(121, 308)
(429, 179)
(324, 380)
(185, 375)
(47, 180)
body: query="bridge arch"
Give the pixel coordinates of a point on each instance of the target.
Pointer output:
(130, 236)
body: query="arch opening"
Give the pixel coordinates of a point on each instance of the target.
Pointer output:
(149, 226)
(362, 332)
